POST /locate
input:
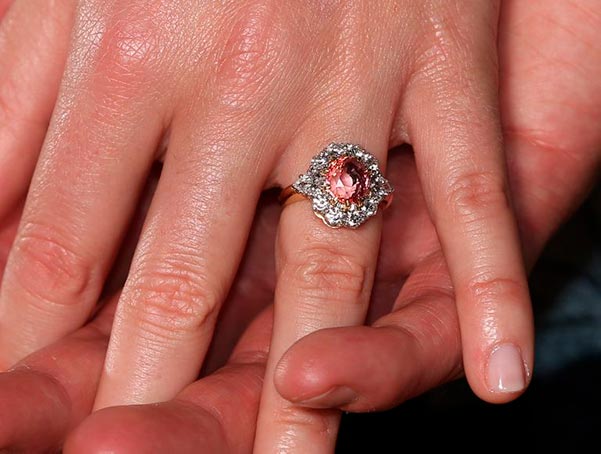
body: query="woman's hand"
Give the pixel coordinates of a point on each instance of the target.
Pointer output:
(530, 98)
(59, 382)
(551, 109)
(52, 391)
(417, 346)
(202, 415)
(236, 97)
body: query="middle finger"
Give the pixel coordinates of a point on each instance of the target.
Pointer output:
(221, 150)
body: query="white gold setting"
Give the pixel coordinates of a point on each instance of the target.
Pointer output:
(355, 175)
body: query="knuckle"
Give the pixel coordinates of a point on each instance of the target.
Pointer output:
(127, 51)
(45, 267)
(248, 60)
(476, 195)
(125, 48)
(436, 49)
(173, 299)
(321, 273)
(447, 37)
(457, 73)
(490, 290)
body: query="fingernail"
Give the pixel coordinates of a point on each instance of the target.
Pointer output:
(338, 396)
(506, 370)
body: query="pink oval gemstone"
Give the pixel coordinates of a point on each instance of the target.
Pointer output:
(348, 179)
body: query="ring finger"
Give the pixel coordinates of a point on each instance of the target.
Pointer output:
(324, 275)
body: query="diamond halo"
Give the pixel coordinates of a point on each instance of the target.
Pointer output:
(345, 185)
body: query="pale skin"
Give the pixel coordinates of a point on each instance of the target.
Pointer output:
(295, 421)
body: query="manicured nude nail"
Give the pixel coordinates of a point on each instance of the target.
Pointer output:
(506, 370)
(334, 398)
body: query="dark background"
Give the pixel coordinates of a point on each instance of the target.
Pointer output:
(562, 408)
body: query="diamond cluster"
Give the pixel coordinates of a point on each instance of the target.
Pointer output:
(345, 185)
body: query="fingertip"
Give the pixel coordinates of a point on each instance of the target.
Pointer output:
(326, 370)
(100, 433)
(34, 411)
(293, 377)
(504, 375)
(166, 427)
(309, 386)
(303, 372)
